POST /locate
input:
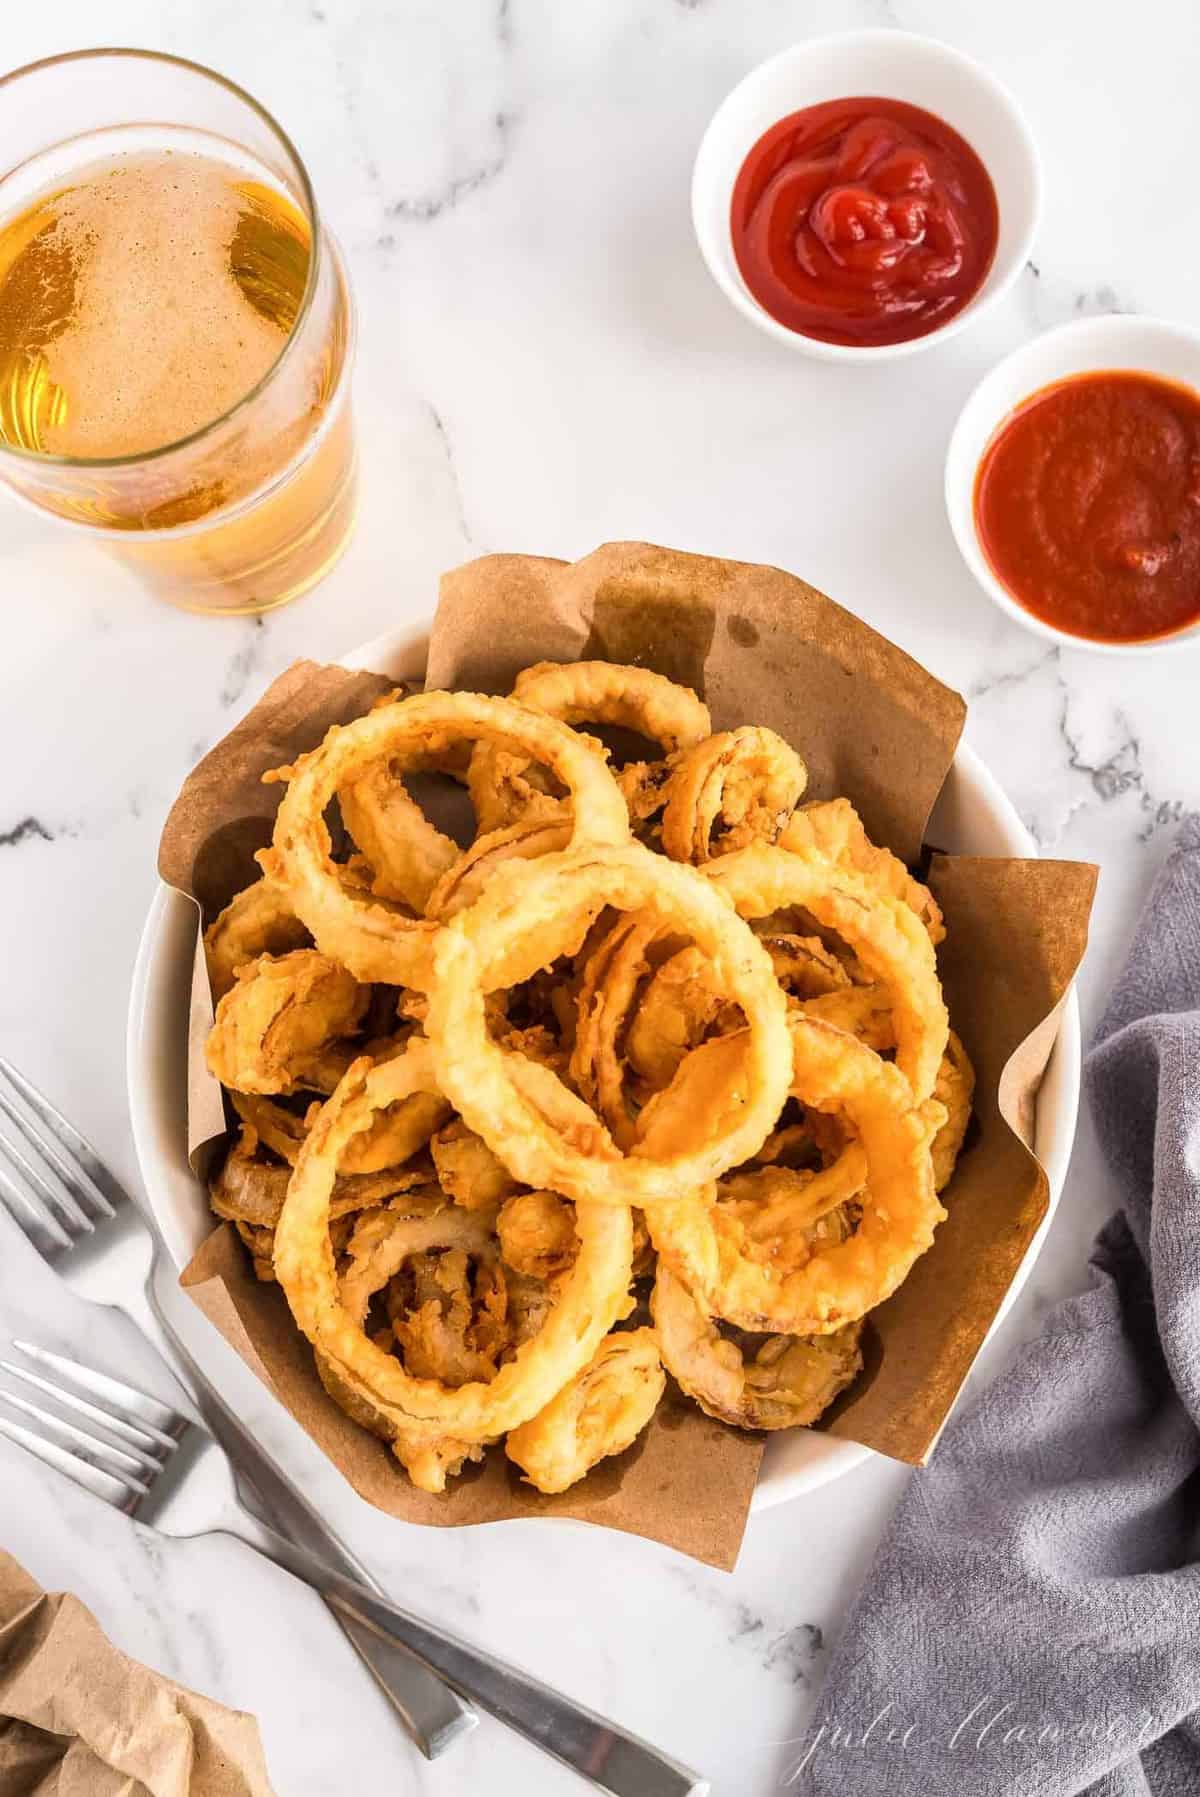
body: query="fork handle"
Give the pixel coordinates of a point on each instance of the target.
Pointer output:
(434, 1715)
(611, 1758)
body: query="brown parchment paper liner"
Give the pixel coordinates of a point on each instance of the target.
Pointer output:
(761, 647)
(80, 1719)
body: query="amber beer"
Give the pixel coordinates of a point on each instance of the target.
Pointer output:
(175, 346)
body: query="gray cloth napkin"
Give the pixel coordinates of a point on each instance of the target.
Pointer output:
(1031, 1625)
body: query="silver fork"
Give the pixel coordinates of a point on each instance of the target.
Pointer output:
(152, 1463)
(83, 1224)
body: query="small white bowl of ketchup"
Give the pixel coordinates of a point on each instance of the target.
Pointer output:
(862, 196)
(1073, 485)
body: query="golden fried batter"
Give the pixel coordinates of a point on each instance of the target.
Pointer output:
(601, 1411)
(277, 1027)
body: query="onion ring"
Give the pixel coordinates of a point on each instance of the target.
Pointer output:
(832, 829)
(373, 938)
(384, 1239)
(883, 932)
(537, 1234)
(611, 976)
(590, 1299)
(955, 1088)
(789, 1383)
(601, 1411)
(393, 1138)
(257, 921)
(405, 850)
(249, 1189)
(466, 876)
(584, 692)
(703, 1243)
(273, 1028)
(748, 779)
(495, 940)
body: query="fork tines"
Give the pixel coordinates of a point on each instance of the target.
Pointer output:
(51, 1179)
(120, 1465)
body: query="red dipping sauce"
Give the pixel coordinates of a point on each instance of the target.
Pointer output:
(864, 222)
(1087, 506)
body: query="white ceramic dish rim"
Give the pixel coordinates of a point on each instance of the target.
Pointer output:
(724, 146)
(795, 1463)
(1084, 346)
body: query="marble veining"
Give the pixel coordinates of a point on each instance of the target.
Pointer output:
(544, 364)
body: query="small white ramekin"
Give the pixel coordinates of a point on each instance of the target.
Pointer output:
(894, 65)
(1086, 346)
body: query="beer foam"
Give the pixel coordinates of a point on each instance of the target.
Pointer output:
(161, 340)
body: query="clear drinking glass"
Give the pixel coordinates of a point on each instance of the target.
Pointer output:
(176, 329)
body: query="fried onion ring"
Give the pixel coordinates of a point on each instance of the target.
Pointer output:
(883, 932)
(249, 1189)
(591, 1297)
(465, 878)
(372, 937)
(833, 829)
(405, 850)
(537, 1234)
(383, 1240)
(737, 787)
(954, 1088)
(550, 1138)
(393, 1138)
(257, 921)
(601, 1411)
(583, 692)
(274, 1026)
(790, 1381)
(611, 976)
(889, 1165)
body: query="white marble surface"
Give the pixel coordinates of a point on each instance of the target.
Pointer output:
(544, 365)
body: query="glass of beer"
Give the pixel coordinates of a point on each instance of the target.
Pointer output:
(176, 330)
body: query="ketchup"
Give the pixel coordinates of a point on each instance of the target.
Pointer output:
(863, 221)
(1087, 506)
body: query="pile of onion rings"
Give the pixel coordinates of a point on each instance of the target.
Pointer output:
(651, 1077)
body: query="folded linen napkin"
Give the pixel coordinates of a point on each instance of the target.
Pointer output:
(1031, 1625)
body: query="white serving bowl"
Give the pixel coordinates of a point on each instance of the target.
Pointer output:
(892, 65)
(1086, 346)
(972, 816)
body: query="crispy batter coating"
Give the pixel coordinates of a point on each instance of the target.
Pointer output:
(537, 1234)
(505, 788)
(887, 1169)
(465, 877)
(784, 1383)
(467, 1169)
(612, 974)
(734, 788)
(392, 1140)
(676, 1010)
(881, 930)
(406, 853)
(249, 1188)
(955, 1089)
(276, 1028)
(257, 921)
(373, 937)
(601, 1411)
(834, 830)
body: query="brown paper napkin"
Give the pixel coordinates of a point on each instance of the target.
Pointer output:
(78, 1718)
